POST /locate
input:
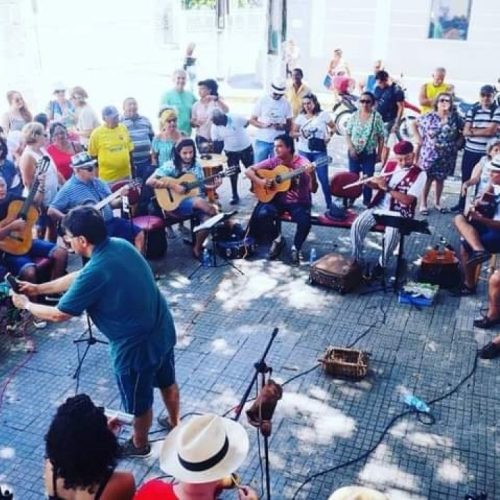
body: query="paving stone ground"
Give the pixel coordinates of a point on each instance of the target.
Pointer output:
(224, 320)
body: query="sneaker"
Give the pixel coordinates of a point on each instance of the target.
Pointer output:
(276, 248)
(235, 200)
(489, 351)
(478, 257)
(296, 256)
(457, 208)
(165, 423)
(39, 324)
(129, 450)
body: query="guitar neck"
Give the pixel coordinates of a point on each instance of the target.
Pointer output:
(198, 183)
(23, 213)
(107, 200)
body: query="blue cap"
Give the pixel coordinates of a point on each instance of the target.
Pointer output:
(110, 112)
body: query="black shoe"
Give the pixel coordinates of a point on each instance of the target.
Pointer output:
(296, 256)
(458, 208)
(478, 257)
(129, 450)
(490, 351)
(486, 322)
(165, 423)
(235, 200)
(377, 272)
(276, 248)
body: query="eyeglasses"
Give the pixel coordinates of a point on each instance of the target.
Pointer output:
(67, 238)
(365, 101)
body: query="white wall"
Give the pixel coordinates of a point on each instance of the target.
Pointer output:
(319, 26)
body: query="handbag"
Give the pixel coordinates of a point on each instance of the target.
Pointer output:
(317, 145)
(327, 82)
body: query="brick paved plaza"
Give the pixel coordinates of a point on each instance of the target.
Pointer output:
(224, 321)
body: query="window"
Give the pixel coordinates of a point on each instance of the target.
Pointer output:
(450, 19)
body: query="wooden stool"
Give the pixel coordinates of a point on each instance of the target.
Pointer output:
(155, 240)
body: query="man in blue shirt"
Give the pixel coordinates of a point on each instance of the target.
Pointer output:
(84, 188)
(117, 289)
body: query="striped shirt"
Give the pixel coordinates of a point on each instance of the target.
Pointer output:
(141, 132)
(75, 192)
(482, 118)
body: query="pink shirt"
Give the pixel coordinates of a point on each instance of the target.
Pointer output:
(300, 190)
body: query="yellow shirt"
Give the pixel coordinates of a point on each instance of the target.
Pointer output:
(431, 92)
(295, 97)
(112, 148)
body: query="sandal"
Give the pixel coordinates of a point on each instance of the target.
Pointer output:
(486, 322)
(424, 211)
(465, 291)
(442, 210)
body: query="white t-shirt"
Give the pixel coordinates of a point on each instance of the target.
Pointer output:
(234, 134)
(269, 110)
(415, 190)
(308, 128)
(86, 120)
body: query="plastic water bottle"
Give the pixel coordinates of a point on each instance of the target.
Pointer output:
(205, 259)
(312, 255)
(416, 403)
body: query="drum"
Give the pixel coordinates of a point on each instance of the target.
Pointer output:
(212, 164)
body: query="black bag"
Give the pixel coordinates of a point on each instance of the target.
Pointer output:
(263, 229)
(317, 145)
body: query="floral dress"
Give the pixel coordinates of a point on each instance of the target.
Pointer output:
(438, 154)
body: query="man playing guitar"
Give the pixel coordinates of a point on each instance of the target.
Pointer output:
(184, 161)
(23, 266)
(84, 188)
(397, 193)
(296, 201)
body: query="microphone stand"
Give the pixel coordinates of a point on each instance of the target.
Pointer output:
(261, 368)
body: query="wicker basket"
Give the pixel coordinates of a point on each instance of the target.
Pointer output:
(345, 363)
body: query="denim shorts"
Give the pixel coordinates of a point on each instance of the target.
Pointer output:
(136, 388)
(122, 228)
(17, 263)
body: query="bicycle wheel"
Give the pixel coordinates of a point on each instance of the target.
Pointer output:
(341, 122)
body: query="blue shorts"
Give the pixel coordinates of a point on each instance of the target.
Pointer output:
(136, 388)
(17, 263)
(186, 208)
(122, 228)
(490, 238)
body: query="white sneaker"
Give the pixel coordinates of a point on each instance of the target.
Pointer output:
(39, 324)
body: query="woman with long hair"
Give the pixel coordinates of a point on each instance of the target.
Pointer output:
(312, 128)
(437, 135)
(183, 162)
(34, 137)
(61, 109)
(18, 114)
(365, 140)
(81, 455)
(61, 149)
(201, 113)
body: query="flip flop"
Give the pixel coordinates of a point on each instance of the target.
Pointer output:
(424, 211)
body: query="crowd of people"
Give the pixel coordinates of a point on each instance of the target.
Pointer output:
(66, 162)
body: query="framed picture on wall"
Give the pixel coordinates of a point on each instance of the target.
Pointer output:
(450, 19)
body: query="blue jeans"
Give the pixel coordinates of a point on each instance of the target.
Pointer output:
(322, 172)
(301, 215)
(263, 150)
(364, 163)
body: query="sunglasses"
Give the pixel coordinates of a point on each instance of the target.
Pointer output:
(172, 120)
(87, 168)
(486, 95)
(444, 100)
(365, 101)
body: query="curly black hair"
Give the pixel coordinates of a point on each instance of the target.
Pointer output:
(79, 445)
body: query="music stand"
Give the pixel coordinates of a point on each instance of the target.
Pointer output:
(90, 340)
(405, 226)
(211, 226)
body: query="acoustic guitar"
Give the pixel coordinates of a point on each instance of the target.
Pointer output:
(19, 242)
(281, 180)
(119, 192)
(169, 200)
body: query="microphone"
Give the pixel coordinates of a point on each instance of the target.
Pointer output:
(261, 412)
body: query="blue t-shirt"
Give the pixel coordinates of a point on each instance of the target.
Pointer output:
(117, 289)
(12, 177)
(75, 192)
(387, 99)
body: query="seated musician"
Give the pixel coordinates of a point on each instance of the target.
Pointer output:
(183, 162)
(84, 188)
(296, 201)
(480, 234)
(398, 192)
(24, 266)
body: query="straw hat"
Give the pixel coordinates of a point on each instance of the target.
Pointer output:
(357, 493)
(204, 449)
